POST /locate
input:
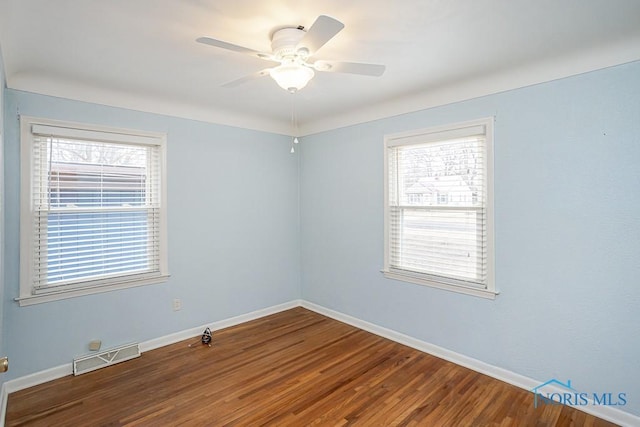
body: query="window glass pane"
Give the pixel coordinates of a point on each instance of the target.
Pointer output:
(90, 245)
(89, 174)
(444, 173)
(438, 242)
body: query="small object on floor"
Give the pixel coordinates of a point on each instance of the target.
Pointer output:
(206, 338)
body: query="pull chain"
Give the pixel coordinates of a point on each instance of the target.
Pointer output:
(294, 124)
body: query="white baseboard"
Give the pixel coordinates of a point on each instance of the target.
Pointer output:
(608, 413)
(605, 412)
(38, 378)
(67, 369)
(3, 404)
(221, 324)
(30, 381)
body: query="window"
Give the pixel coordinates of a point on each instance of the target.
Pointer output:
(93, 209)
(438, 207)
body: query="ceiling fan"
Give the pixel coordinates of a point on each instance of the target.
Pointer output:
(292, 48)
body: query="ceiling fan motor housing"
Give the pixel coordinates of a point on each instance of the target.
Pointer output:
(284, 42)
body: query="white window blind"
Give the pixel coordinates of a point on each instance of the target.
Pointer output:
(96, 208)
(437, 218)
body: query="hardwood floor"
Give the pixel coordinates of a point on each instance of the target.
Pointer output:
(294, 368)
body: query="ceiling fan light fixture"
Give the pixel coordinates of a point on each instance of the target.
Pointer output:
(291, 76)
(292, 47)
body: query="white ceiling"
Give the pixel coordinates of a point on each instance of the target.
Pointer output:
(142, 54)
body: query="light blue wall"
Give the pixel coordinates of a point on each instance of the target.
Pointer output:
(567, 197)
(233, 237)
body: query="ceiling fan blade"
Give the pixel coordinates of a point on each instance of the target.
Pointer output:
(322, 30)
(228, 46)
(245, 79)
(375, 70)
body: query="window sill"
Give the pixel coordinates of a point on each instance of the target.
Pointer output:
(78, 292)
(476, 292)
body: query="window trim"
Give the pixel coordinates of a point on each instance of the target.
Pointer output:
(432, 134)
(28, 294)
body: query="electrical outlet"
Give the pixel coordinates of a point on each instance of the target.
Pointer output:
(177, 304)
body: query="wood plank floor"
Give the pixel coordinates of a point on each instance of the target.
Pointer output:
(295, 368)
